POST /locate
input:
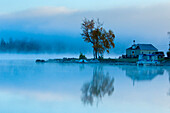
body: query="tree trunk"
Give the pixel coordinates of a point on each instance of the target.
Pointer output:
(95, 53)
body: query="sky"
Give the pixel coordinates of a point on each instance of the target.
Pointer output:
(17, 5)
(146, 21)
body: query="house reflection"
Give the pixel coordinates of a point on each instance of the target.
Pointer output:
(168, 71)
(142, 73)
(100, 85)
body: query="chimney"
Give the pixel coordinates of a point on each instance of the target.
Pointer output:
(169, 45)
(133, 42)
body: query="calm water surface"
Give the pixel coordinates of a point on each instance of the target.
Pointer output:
(27, 87)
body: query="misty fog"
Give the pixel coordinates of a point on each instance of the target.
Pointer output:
(58, 31)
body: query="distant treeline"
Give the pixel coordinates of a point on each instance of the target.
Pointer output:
(39, 46)
(18, 46)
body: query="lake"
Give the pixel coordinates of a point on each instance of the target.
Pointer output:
(29, 87)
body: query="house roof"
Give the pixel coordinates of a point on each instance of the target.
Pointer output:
(145, 47)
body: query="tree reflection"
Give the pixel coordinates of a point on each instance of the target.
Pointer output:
(100, 85)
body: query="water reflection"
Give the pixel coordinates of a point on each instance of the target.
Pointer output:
(168, 71)
(100, 85)
(142, 73)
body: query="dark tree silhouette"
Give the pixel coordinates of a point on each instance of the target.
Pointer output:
(18, 46)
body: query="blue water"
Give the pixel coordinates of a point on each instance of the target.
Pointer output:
(27, 87)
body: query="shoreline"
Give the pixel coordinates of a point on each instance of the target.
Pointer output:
(100, 61)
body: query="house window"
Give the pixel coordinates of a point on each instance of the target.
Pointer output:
(133, 52)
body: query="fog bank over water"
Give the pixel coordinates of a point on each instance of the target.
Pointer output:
(35, 56)
(47, 56)
(145, 24)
